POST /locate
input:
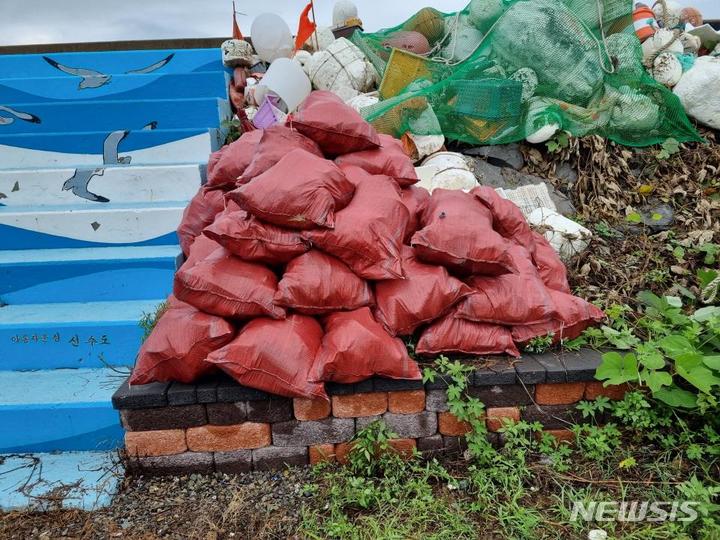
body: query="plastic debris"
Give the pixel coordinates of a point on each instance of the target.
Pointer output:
(566, 237)
(237, 52)
(698, 93)
(447, 170)
(286, 79)
(271, 37)
(342, 69)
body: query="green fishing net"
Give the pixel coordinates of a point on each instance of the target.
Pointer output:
(503, 70)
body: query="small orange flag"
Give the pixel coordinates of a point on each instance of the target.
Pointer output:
(306, 27)
(237, 34)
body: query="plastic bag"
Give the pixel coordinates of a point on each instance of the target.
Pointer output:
(508, 219)
(300, 192)
(253, 240)
(316, 283)
(274, 356)
(368, 233)
(200, 249)
(549, 266)
(226, 286)
(414, 198)
(333, 125)
(234, 159)
(179, 344)
(356, 347)
(389, 159)
(457, 233)
(453, 335)
(204, 206)
(425, 294)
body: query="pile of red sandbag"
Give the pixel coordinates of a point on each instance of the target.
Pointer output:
(311, 254)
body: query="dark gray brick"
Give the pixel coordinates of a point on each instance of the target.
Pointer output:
(226, 414)
(236, 462)
(363, 387)
(396, 385)
(338, 389)
(181, 394)
(140, 396)
(430, 444)
(412, 426)
(179, 464)
(495, 372)
(529, 370)
(552, 416)
(329, 430)
(581, 365)
(554, 368)
(364, 421)
(273, 458)
(507, 395)
(454, 444)
(229, 391)
(206, 390)
(181, 417)
(436, 400)
(440, 383)
(276, 409)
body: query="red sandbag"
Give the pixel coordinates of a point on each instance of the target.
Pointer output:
(355, 347)
(572, 316)
(234, 159)
(200, 249)
(368, 233)
(301, 191)
(316, 283)
(276, 142)
(226, 286)
(253, 240)
(336, 127)
(201, 212)
(457, 233)
(426, 293)
(389, 159)
(414, 198)
(508, 220)
(179, 344)
(549, 266)
(274, 356)
(453, 335)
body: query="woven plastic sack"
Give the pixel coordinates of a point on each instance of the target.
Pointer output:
(389, 159)
(179, 345)
(342, 69)
(573, 316)
(204, 206)
(333, 125)
(369, 232)
(200, 249)
(426, 293)
(253, 240)
(274, 356)
(549, 266)
(414, 198)
(453, 335)
(355, 347)
(508, 220)
(275, 144)
(226, 286)
(233, 159)
(457, 233)
(316, 283)
(300, 192)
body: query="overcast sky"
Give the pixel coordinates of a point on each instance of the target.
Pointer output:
(46, 21)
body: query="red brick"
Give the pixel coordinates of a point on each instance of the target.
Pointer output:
(321, 453)
(406, 402)
(594, 390)
(228, 438)
(448, 424)
(166, 442)
(559, 394)
(404, 447)
(311, 409)
(342, 451)
(354, 405)
(561, 435)
(496, 417)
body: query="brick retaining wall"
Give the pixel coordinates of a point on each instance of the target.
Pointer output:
(218, 425)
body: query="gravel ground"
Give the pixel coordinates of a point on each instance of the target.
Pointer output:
(261, 505)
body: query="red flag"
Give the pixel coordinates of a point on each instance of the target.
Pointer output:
(237, 34)
(306, 27)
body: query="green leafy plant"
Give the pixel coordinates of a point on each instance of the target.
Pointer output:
(370, 448)
(668, 148)
(148, 321)
(559, 142)
(540, 344)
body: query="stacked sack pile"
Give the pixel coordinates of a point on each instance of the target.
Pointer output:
(311, 254)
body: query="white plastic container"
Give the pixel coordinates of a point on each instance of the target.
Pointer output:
(271, 37)
(343, 69)
(451, 171)
(286, 79)
(565, 236)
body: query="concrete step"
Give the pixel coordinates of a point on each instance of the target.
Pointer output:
(97, 185)
(40, 482)
(72, 335)
(51, 276)
(111, 115)
(122, 87)
(80, 226)
(90, 69)
(98, 148)
(59, 410)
